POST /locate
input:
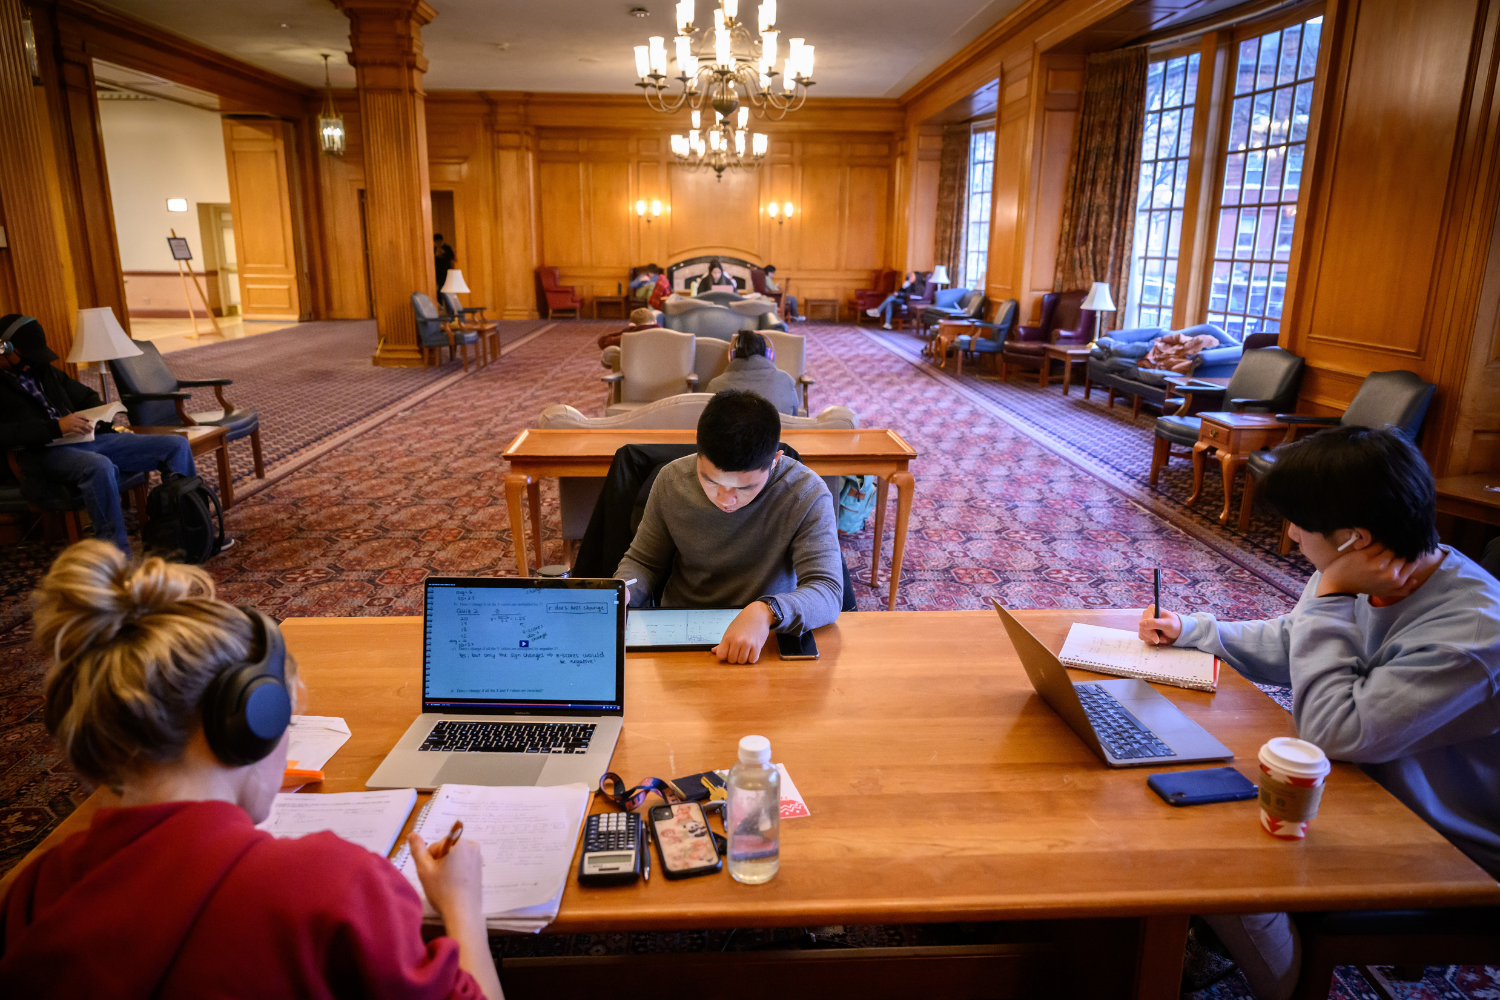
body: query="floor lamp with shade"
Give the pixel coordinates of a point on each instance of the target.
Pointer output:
(1098, 299)
(98, 337)
(940, 276)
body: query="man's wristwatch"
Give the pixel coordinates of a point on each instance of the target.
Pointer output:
(776, 616)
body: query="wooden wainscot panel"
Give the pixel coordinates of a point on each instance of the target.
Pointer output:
(562, 220)
(260, 199)
(610, 218)
(1059, 120)
(1371, 260)
(865, 231)
(714, 216)
(341, 181)
(822, 190)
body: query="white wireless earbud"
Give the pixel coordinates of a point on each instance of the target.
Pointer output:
(1351, 541)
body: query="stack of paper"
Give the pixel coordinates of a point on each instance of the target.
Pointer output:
(527, 836)
(1123, 654)
(372, 820)
(313, 741)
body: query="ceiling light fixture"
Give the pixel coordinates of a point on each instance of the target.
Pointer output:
(330, 123)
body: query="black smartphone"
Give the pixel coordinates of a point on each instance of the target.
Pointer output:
(797, 647)
(684, 842)
(1200, 787)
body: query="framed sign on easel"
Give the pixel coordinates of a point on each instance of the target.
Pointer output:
(182, 253)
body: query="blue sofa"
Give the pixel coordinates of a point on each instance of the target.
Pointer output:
(1113, 364)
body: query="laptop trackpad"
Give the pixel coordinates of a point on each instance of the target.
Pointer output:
(491, 769)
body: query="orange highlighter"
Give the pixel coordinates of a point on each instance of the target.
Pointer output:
(294, 775)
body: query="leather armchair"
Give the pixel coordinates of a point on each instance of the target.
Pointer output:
(1397, 399)
(1063, 321)
(916, 304)
(1266, 381)
(553, 297)
(868, 298)
(154, 397)
(758, 284)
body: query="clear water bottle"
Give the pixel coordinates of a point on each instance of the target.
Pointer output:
(754, 814)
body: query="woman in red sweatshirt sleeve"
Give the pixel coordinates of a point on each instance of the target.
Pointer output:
(180, 702)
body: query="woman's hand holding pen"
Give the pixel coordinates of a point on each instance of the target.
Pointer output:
(454, 881)
(1162, 631)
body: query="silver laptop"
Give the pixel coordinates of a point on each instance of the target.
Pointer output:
(523, 683)
(1126, 722)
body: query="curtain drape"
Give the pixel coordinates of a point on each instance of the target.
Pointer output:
(1098, 220)
(952, 203)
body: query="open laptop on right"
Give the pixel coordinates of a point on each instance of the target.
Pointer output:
(1126, 722)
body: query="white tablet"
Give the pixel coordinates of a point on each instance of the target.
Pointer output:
(677, 628)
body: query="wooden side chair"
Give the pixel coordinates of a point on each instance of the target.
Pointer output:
(59, 499)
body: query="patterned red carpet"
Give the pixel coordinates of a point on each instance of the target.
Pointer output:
(356, 531)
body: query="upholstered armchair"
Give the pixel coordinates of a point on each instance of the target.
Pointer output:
(948, 303)
(654, 364)
(154, 397)
(1063, 321)
(553, 297)
(472, 318)
(1397, 399)
(868, 298)
(433, 334)
(1266, 381)
(758, 283)
(791, 357)
(989, 339)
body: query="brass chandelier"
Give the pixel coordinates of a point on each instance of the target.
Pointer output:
(726, 67)
(721, 146)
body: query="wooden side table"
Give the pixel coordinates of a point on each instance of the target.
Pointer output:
(833, 308)
(1475, 497)
(203, 438)
(1069, 356)
(614, 303)
(942, 341)
(1234, 436)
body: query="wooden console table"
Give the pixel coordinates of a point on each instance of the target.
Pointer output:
(1476, 498)
(833, 308)
(613, 303)
(871, 451)
(1069, 356)
(1234, 436)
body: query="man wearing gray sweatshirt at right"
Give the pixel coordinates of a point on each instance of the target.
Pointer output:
(1392, 654)
(740, 525)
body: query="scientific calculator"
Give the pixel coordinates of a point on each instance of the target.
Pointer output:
(612, 849)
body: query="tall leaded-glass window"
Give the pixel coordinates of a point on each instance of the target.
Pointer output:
(1263, 166)
(977, 231)
(1171, 88)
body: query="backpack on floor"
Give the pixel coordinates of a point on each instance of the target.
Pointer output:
(856, 500)
(183, 520)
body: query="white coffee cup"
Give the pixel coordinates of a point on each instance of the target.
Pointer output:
(1292, 772)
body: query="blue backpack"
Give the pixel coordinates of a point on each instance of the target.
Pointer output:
(856, 500)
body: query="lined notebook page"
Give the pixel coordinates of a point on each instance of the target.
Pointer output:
(1115, 651)
(370, 819)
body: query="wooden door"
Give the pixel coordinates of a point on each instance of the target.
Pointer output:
(260, 196)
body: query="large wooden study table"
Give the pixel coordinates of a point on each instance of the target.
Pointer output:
(871, 451)
(941, 789)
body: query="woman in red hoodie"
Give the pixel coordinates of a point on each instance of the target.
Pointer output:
(161, 692)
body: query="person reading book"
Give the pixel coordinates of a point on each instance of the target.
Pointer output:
(1392, 652)
(175, 893)
(740, 524)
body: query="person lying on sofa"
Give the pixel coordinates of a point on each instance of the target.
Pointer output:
(640, 319)
(1175, 352)
(740, 525)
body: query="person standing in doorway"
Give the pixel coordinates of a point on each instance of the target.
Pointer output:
(443, 259)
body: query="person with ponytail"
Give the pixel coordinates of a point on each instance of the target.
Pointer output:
(179, 703)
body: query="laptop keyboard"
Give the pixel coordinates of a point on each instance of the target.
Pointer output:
(1121, 735)
(510, 737)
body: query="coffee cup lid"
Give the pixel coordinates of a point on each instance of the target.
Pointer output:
(1295, 757)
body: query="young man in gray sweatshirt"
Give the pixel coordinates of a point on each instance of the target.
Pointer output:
(740, 525)
(1392, 654)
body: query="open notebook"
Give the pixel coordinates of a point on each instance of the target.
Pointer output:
(1123, 654)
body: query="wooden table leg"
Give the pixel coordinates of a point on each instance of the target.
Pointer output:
(1229, 464)
(1198, 449)
(1043, 372)
(534, 501)
(905, 484)
(880, 494)
(1067, 375)
(1158, 970)
(226, 482)
(515, 484)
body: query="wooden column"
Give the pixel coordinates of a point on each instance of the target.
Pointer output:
(386, 52)
(515, 177)
(33, 213)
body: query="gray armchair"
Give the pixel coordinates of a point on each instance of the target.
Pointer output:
(433, 334)
(654, 364)
(1266, 381)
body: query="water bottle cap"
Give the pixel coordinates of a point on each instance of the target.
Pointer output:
(755, 750)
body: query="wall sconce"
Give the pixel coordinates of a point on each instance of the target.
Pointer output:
(176, 204)
(640, 210)
(780, 212)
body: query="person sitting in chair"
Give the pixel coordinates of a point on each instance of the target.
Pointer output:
(1392, 654)
(740, 525)
(39, 404)
(752, 368)
(640, 319)
(914, 287)
(790, 301)
(716, 278)
(651, 287)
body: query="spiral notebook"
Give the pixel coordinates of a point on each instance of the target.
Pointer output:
(1123, 654)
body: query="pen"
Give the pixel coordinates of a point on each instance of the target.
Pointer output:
(1156, 591)
(646, 846)
(442, 847)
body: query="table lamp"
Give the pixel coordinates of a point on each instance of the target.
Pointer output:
(99, 337)
(455, 285)
(1099, 301)
(940, 275)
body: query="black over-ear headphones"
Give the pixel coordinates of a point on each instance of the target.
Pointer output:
(247, 707)
(8, 332)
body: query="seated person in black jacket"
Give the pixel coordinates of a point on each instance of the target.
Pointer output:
(39, 404)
